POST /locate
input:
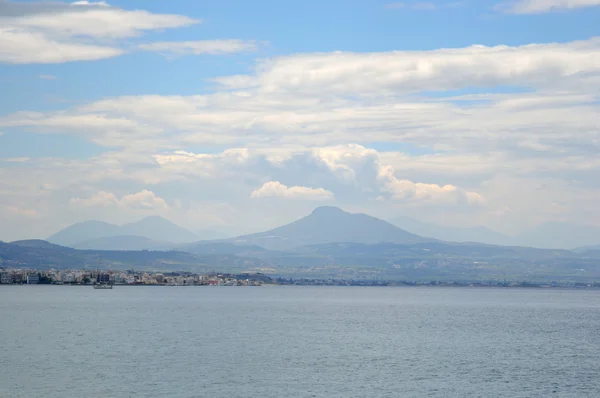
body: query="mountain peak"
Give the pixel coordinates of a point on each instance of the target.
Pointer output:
(327, 210)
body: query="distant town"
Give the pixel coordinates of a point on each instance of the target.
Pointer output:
(20, 276)
(87, 277)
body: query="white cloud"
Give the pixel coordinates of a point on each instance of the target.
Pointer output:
(352, 169)
(363, 167)
(90, 3)
(22, 211)
(542, 6)
(143, 200)
(48, 77)
(91, 20)
(277, 189)
(39, 32)
(22, 159)
(19, 46)
(399, 72)
(406, 190)
(146, 200)
(100, 199)
(324, 99)
(294, 120)
(200, 47)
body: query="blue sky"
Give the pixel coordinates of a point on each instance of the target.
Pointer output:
(288, 27)
(136, 105)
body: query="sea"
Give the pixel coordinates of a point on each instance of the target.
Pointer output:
(184, 342)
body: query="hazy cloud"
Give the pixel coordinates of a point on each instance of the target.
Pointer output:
(542, 6)
(277, 189)
(100, 199)
(406, 190)
(39, 32)
(200, 47)
(22, 212)
(146, 200)
(23, 47)
(93, 20)
(536, 65)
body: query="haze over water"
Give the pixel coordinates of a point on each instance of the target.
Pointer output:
(62, 341)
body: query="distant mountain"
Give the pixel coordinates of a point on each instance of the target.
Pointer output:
(159, 229)
(586, 249)
(560, 235)
(153, 228)
(453, 234)
(326, 225)
(84, 231)
(125, 242)
(36, 243)
(426, 260)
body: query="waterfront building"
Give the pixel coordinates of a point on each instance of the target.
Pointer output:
(6, 278)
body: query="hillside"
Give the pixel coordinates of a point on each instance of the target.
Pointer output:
(125, 242)
(46, 256)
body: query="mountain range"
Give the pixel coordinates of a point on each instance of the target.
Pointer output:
(328, 242)
(324, 225)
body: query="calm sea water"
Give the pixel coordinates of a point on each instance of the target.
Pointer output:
(62, 341)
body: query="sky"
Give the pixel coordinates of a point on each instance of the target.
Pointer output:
(240, 116)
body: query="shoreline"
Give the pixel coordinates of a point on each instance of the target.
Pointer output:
(424, 285)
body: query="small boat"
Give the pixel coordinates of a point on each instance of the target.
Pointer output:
(103, 286)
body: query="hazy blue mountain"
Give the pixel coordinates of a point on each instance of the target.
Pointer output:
(560, 235)
(159, 229)
(453, 234)
(84, 231)
(36, 243)
(124, 242)
(329, 224)
(424, 260)
(585, 249)
(153, 228)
